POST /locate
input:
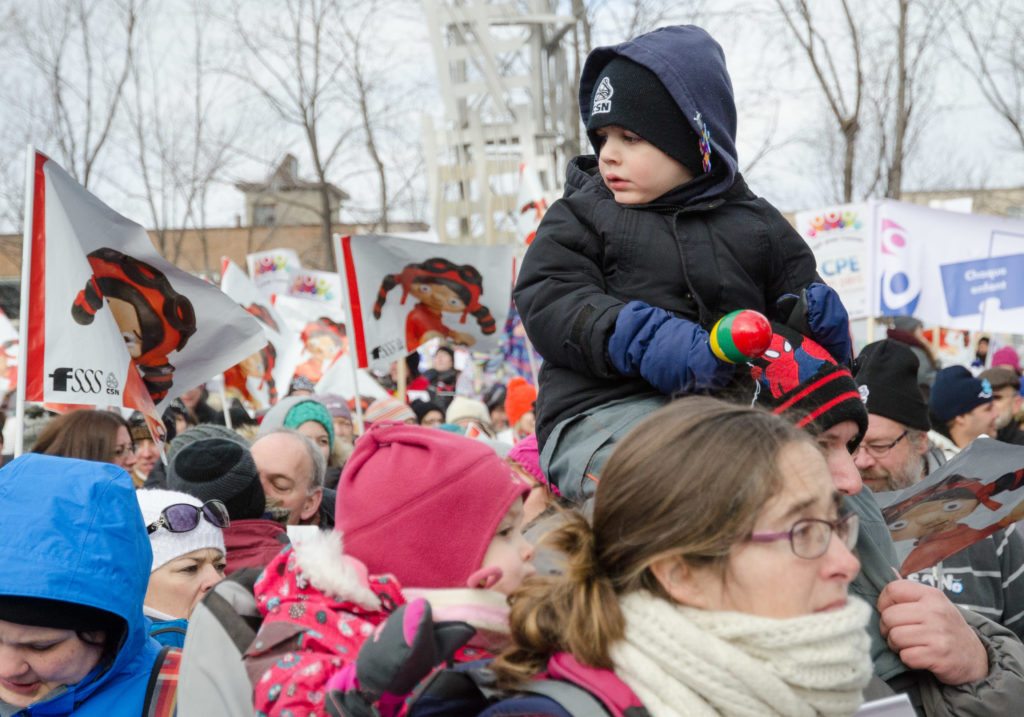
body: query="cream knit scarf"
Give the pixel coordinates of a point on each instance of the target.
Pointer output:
(684, 661)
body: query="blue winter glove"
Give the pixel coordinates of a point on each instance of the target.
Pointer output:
(672, 354)
(819, 313)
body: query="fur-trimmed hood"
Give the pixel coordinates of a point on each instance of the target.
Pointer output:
(318, 570)
(319, 607)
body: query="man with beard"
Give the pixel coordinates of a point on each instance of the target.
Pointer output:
(1006, 389)
(895, 454)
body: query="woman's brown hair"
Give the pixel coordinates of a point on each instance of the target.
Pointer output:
(689, 481)
(86, 434)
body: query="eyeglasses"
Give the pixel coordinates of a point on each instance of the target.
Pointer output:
(182, 517)
(120, 451)
(880, 451)
(809, 538)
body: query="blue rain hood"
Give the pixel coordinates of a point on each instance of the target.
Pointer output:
(691, 66)
(73, 531)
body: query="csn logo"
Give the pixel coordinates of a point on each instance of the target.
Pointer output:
(77, 380)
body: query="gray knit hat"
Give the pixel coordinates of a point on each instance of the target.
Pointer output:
(223, 469)
(200, 432)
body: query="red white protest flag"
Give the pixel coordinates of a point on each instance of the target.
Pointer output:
(258, 380)
(530, 202)
(105, 319)
(403, 293)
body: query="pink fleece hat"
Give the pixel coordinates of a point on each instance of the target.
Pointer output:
(527, 454)
(1007, 356)
(423, 504)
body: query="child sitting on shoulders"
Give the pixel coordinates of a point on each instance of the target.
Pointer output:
(655, 238)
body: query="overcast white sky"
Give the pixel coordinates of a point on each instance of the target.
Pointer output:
(963, 145)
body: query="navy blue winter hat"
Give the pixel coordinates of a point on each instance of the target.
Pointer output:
(632, 97)
(956, 392)
(691, 66)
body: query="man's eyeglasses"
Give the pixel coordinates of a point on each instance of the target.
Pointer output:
(182, 517)
(809, 538)
(880, 450)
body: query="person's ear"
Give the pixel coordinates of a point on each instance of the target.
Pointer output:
(312, 504)
(681, 581)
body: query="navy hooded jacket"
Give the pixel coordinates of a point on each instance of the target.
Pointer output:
(701, 250)
(73, 531)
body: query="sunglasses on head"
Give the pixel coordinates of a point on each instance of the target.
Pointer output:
(182, 517)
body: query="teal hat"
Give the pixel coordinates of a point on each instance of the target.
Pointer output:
(311, 410)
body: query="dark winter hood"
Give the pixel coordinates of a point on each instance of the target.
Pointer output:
(73, 531)
(691, 65)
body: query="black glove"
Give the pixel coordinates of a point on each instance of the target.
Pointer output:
(402, 651)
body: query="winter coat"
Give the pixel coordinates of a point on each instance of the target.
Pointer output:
(592, 256)
(169, 632)
(253, 543)
(73, 531)
(318, 608)
(700, 251)
(1002, 688)
(1011, 433)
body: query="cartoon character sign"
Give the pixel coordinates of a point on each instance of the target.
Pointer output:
(324, 341)
(932, 518)
(258, 366)
(439, 287)
(154, 319)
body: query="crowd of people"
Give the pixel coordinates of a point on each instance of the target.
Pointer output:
(642, 529)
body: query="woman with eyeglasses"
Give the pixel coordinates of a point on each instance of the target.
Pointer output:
(72, 635)
(90, 435)
(188, 558)
(713, 579)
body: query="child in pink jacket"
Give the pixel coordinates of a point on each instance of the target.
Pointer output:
(423, 514)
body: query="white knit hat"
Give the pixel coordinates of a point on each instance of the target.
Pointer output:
(462, 408)
(167, 545)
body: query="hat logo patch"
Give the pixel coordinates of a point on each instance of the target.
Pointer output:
(603, 97)
(986, 389)
(864, 393)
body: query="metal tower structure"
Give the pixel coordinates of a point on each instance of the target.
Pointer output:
(509, 98)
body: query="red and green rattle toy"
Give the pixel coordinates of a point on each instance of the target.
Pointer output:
(740, 336)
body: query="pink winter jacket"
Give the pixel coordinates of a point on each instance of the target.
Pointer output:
(319, 606)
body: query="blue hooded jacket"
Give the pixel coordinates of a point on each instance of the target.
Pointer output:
(691, 66)
(73, 531)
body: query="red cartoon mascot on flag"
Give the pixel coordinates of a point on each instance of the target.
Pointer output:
(439, 287)
(154, 319)
(260, 365)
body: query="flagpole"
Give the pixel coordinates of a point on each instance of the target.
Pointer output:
(224, 401)
(346, 303)
(403, 380)
(23, 313)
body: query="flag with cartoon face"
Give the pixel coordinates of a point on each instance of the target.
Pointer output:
(108, 321)
(977, 492)
(404, 293)
(260, 379)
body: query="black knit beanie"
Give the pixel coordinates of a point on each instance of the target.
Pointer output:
(800, 380)
(886, 372)
(222, 469)
(421, 408)
(631, 96)
(57, 614)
